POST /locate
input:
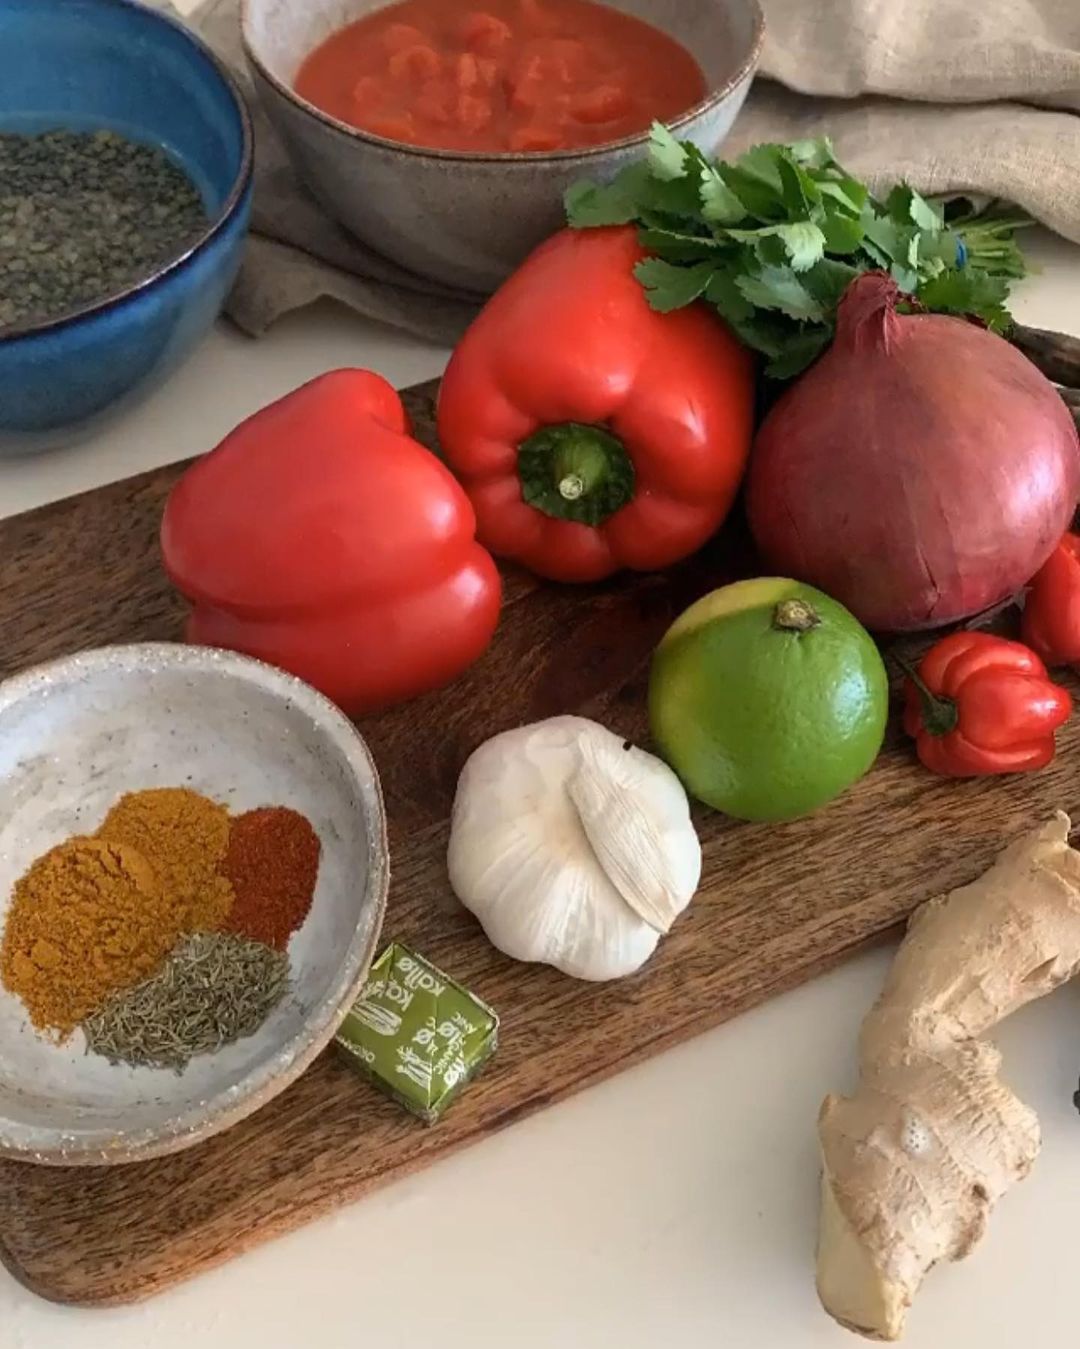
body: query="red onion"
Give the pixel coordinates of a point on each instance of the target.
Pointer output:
(921, 472)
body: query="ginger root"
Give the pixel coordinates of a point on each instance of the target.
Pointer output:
(914, 1161)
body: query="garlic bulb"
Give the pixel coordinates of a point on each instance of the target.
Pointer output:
(572, 847)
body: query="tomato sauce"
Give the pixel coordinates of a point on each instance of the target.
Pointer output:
(512, 75)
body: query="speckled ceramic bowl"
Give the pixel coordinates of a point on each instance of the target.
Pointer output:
(77, 734)
(467, 220)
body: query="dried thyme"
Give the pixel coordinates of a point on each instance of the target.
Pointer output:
(84, 215)
(215, 988)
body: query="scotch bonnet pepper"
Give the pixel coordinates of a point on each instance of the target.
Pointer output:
(591, 432)
(320, 537)
(1051, 622)
(980, 704)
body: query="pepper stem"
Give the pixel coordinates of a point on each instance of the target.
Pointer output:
(795, 615)
(939, 714)
(576, 472)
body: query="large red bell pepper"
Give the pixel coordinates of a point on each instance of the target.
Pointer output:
(1051, 622)
(319, 536)
(980, 704)
(591, 432)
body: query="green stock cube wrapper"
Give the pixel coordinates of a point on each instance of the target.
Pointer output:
(416, 1033)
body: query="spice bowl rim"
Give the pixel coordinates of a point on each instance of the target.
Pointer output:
(714, 95)
(213, 226)
(197, 1121)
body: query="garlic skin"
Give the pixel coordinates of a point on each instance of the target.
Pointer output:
(572, 848)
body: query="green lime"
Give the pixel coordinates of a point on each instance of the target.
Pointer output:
(768, 699)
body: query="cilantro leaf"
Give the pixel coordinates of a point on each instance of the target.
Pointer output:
(779, 288)
(675, 246)
(923, 214)
(846, 194)
(843, 233)
(616, 203)
(968, 292)
(764, 332)
(773, 239)
(588, 205)
(755, 180)
(723, 292)
(893, 247)
(668, 287)
(780, 340)
(680, 197)
(667, 158)
(799, 189)
(884, 238)
(768, 247)
(761, 163)
(906, 207)
(799, 351)
(719, 205)
(805, 243)
(939, 248)
(827, 280)
(813, 154)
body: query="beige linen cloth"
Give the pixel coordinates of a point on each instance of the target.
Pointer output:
(976, 96)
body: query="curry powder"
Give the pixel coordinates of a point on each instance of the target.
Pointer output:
(89, 917)
(183, 836)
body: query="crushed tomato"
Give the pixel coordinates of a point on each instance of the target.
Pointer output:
(516, 75)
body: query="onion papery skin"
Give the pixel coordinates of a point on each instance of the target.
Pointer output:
(920, 473)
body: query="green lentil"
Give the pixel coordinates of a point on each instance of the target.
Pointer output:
(84, 215)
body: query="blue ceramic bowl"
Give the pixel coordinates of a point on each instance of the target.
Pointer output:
(84, 64)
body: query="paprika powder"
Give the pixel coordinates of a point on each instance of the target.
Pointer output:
(272, 862)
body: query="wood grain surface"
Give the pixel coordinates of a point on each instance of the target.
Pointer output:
(777, 904)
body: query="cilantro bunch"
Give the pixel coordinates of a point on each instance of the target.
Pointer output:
(774, 239)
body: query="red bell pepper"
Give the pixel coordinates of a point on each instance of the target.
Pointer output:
(980, 704)
(591, 432)
(319, 536)
(1051, 622)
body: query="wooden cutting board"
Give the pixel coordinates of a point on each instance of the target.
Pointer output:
(777, 904)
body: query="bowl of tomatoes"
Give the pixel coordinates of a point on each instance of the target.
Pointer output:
(444, 137)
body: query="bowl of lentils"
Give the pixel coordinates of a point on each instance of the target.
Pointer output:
(125, 192)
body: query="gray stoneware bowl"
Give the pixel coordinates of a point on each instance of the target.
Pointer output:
(464, 219)
(77, 734)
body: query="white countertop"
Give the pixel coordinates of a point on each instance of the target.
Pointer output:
(676, 1204)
